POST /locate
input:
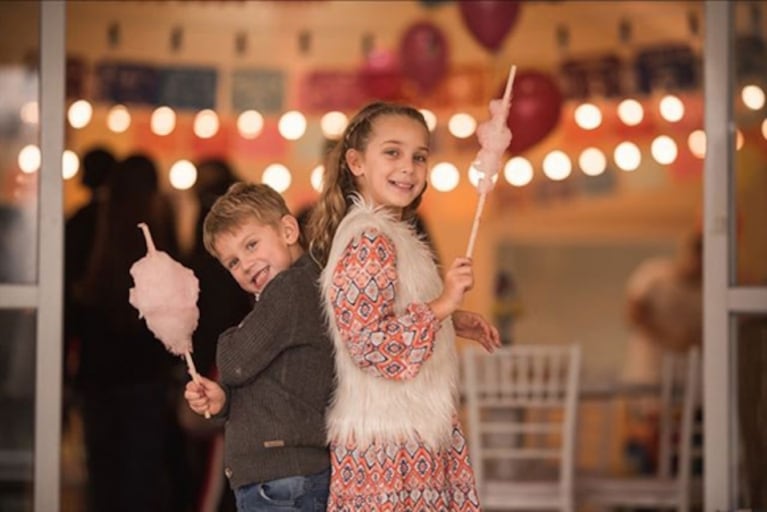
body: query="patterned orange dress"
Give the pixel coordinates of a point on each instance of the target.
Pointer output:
(406, 476)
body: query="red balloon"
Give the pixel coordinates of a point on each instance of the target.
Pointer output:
(489, 21)
(536, 105)
(381, 75)
(423, 53)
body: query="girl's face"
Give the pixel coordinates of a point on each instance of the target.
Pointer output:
(391, 171)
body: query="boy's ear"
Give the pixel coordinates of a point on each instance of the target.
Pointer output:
(290, 229)
(353, 161)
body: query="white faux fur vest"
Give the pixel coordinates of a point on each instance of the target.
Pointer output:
(367, 408)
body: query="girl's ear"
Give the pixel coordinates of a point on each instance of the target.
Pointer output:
(290, 229)
(354, 161)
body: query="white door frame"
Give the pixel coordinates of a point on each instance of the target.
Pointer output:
(48, 381)
(722, 298)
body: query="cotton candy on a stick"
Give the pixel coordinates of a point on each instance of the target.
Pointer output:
(494, 137)
(165, 295)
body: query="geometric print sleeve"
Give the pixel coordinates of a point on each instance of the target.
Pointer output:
(362, 293)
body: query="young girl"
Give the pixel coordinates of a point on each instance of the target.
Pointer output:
(395, 440)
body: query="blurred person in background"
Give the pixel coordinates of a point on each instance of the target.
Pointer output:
(664, 304)
(124, 374)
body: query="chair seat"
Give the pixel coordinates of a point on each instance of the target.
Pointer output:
(634, 491)
(497, 495)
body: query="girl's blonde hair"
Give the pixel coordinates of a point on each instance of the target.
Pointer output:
(241, 203)
(339, 185)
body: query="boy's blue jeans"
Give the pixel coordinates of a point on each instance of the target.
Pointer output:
(299, 493)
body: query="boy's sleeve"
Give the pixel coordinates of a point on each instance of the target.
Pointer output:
(362, 294)
(267, 331)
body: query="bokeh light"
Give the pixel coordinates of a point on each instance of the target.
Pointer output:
(462, 125)
(592, 162)
(518, 171)
(118, 119)
(557, 165)
(292, 125)
(183, 175)
(80, 114)
(627, 156)
(444, 177)
(249, 124)
(277, 176)
(163, 121)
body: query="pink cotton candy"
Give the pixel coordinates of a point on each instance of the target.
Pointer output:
(494, 137)
(166, 297)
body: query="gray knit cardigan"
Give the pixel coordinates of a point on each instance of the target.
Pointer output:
(277, 370)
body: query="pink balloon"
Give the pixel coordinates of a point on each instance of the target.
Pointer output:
(423, 53)
(536, 105)
(489, 21)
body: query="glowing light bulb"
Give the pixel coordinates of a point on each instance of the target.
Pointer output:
(630, 111)
(518, 171)
(663, 149)
(462, 125)
(671, 108)
(588, 116)
(163, 121)
(697, 143)
(183, 175)
(249, 124)
(80, 114)
(592, 162)
(318, 174)
(430, 118)
(118, 119)
(627, 156)
(277, 176)
(206, 124)
(333, 124)
(70, 164)
(29, 159)
(557, 165)
(444, 177)
(292, 125)
(753, 96)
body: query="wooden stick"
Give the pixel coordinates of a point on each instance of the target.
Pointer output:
(475, 225)
(482, 195)
(194, 374)
(147, 237)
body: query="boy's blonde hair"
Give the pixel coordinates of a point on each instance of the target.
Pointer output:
(241, 203)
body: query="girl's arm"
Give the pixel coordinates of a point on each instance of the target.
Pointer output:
(474, 326)
(362, 294)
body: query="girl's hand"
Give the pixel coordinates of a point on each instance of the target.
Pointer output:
(458, 280)
(473, 326)
(205, 396)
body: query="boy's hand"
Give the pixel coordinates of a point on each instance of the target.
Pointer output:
(205, 396)
(458, 280)
(473, 326)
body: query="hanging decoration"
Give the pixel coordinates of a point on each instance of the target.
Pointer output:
(424, 54)
(381, 74)
(489, 21)
(535, 111)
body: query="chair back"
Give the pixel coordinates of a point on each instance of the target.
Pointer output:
(537, 387)
(680, 431)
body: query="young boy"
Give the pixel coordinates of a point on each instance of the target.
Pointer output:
(276, 367)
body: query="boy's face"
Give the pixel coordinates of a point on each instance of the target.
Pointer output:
(254, 252)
